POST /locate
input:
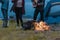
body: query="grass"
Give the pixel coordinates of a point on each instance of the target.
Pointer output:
(11, 33)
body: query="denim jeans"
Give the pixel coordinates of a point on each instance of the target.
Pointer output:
(5, 17)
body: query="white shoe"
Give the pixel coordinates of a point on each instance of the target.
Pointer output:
(20, 27)
(8, 23)
(17, 27)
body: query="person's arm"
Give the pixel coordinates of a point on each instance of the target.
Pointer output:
(34, 3)
(23, 5)
(13, 1)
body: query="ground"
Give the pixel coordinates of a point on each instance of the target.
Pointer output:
(11, 33)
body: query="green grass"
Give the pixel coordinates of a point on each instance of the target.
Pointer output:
(11, 33)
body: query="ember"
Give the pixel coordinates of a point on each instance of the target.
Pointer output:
(41, 26)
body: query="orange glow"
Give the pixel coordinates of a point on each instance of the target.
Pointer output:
(41, 26)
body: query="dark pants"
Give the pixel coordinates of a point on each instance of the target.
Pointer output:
(18, 12)
(37, 10)
(5, 16)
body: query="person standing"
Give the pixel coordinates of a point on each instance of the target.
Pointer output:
(39, 7)
(18, 8)
(4, 9)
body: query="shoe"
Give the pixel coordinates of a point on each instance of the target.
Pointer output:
(4, 26)
(17, 27)
(22, 28)
(8, 23)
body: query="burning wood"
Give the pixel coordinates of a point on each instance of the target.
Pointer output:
(41, 26)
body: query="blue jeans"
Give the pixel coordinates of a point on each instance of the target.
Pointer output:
(5, 17)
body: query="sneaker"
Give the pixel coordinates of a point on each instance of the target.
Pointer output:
(17, 27)
(22, 28)
(4, 25)
(8, 23)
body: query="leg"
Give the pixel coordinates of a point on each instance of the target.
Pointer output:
(17, 16)
(47, 9)
(5, 16)
(21, 20)
(41, 10)
(42, 15)
(35, 14)
(20, 16)
(47, 14)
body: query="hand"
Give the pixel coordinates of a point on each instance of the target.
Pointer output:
(34, 5)
(23, 11)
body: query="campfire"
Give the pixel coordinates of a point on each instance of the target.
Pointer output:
(41, 26)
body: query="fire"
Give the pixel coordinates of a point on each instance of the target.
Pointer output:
(41, 26)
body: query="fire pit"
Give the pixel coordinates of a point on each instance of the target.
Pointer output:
(41, 26)
(38, 26)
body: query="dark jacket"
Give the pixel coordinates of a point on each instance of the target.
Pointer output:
(15, 3)
(39, 3)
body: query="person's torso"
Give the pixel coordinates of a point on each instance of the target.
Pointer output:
(19, 3)
(40, 2)
(5, 4)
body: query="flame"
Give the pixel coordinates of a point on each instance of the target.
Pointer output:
(41, 26)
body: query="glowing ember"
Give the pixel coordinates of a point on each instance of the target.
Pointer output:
(41, 26)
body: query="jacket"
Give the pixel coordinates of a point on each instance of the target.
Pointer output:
(5, 4)
(38, 3)
(15, 3)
